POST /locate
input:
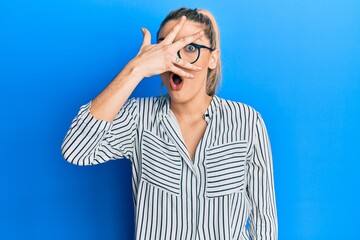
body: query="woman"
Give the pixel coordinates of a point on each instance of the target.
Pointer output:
(201, 165)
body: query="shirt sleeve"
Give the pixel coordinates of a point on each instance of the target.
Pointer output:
(90, 141)
(263, 216)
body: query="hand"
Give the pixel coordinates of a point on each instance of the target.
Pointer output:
(154, 59)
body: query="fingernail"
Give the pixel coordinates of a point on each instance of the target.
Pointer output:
(143, 30)
(198, 67)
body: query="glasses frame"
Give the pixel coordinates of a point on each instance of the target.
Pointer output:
(198, 47)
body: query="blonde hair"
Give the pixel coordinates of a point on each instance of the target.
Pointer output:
(211, 31)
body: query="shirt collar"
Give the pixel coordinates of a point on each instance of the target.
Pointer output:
(212, 108)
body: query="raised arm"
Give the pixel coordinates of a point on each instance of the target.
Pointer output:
(151, 60)
(105, 128)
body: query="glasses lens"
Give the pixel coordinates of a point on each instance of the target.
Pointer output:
(189, 53)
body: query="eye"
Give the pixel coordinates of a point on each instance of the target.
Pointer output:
(190, 48)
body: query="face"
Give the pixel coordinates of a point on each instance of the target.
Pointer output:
(186, 89)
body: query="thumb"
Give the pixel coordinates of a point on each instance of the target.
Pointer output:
(147, 37)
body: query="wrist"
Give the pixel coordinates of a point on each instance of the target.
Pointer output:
(135, 70)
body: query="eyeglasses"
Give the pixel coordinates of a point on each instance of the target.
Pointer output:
(191, 52)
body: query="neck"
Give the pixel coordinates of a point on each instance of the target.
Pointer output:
(192, 109)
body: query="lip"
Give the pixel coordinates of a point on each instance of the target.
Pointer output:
(173, 86)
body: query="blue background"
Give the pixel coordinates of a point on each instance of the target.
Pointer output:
(296, 62)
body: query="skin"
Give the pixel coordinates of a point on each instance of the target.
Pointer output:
(188, 103)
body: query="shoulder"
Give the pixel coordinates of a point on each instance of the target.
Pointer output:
(238, 117)
(244, 114)
(238, 108)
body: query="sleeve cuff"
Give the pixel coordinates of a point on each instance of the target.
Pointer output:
(88, 119)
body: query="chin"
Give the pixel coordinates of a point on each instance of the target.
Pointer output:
(177, 96)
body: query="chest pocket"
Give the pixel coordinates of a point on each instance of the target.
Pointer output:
(225, 166)
(161, 163)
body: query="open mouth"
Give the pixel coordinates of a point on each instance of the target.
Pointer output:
(176, 81)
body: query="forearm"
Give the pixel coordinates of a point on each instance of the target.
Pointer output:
(83, 137)
(91, 141)
(109, 102)
(151, 60)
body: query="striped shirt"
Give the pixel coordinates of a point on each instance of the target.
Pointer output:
(225, 192)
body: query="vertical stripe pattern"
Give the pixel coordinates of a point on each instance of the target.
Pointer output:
(225, 192)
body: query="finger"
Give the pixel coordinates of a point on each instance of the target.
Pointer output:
(174, 31)
(187, 40)
(147, 37)
(180, 72)
(185, 64)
